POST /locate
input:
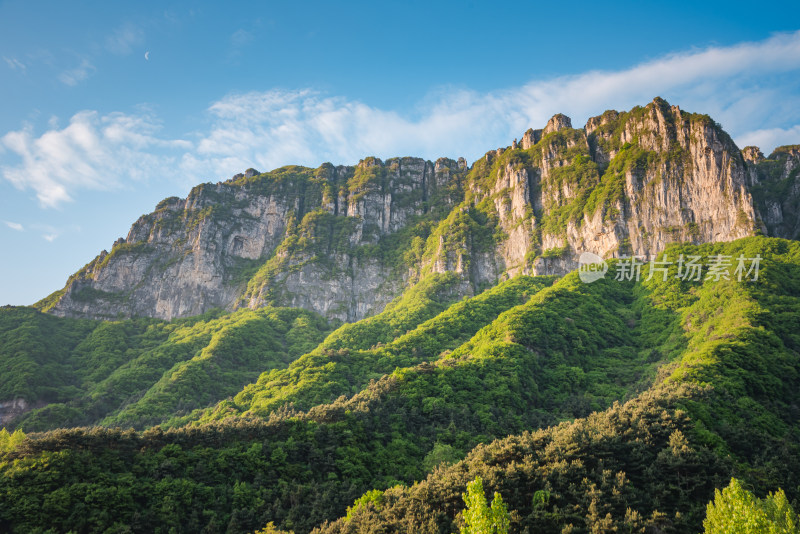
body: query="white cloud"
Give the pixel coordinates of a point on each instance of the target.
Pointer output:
(50, 237)
(14, 63)
(92, 152)
(74, 76)
(15, 226)
(124, 39)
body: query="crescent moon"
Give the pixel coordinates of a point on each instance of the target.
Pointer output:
(147, 55)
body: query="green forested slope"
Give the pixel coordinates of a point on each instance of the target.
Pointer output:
(727, 404)
(393, 431)
(357, 353)
(529, 372)
(139, 372)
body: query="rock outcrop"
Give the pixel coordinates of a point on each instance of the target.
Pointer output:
(557, 122)
(10, 410)
(752, 154)
(662, 176)
(344, 240)
(776, 190)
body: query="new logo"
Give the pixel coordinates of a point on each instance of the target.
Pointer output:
(591, 267)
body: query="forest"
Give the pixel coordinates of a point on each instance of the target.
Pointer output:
(656, 405)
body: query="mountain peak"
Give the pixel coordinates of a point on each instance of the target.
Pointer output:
(752, 154)
(557, 122)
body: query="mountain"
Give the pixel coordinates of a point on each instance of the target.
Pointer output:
(372, 338)
(344, 241)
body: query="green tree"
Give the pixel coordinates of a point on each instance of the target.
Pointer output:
(270, 528)
(737, 511)
(441, 453)
(479, 517)
(9, 441)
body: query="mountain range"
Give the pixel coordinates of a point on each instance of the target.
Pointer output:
(343, 349)
(343, 241)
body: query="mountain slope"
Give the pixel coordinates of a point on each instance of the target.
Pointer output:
(727, 405)
(711, 368)
(350, 357)
(139, 372)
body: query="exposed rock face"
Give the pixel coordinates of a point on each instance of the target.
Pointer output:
(530, 138)
(603, 146)
(640, 180)
(685, 182)
(194, 254)
(343, 241)
(752, 154)
(557, 122)
(12, 409)
(776, 190)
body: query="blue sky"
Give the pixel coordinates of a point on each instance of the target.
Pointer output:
(109, 107)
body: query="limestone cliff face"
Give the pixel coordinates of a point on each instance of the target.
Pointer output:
(671, 176)
(625, 184)
(343, 241)
(344, 275)
(214, 247)
(776, 189)
(178, 260)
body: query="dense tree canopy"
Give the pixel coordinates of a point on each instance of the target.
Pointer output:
(589, 407)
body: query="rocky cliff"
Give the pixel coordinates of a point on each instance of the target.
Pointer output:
(344, 240)
(300, 237)
(776, 189)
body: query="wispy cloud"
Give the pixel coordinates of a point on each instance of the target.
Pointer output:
(50, 233)
(123, 40)
(73, 77)
(751, 88)
(14, 63)
(15, 226)
(93, 152)
(241, 37)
